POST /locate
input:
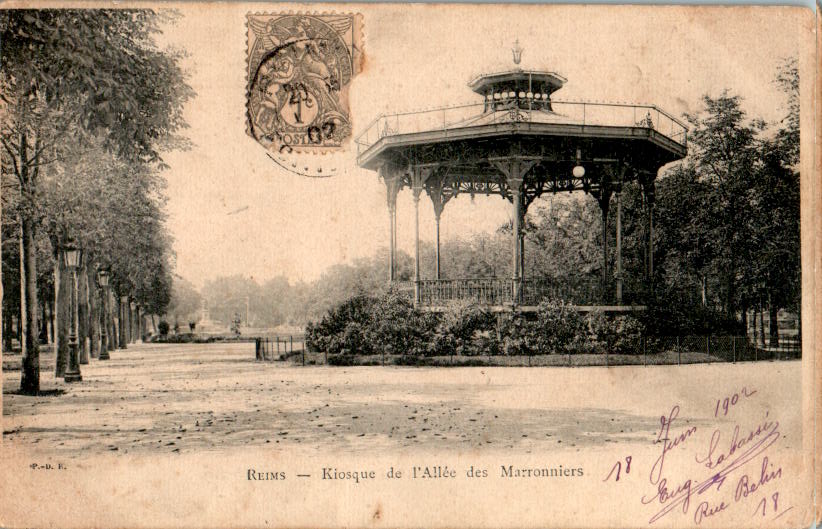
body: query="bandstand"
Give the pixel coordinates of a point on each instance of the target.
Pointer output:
(519, 142)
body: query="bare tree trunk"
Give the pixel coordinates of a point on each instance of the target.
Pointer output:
(53, 320)
(773, 311)
(94, 314)
(753, 318)
(122, 304)
(132, 324)
(762, 325)
(82, 315)
(30, 377)
(43, 333)
(62, 316)
(20, 329)
(21, 321)
(7, 325)
(130, 312)
(731, 308)
(704, 290)
(113, 334)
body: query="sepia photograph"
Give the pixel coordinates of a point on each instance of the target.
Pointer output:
(409, 265)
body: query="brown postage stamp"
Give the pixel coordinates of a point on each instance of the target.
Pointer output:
(299, 70)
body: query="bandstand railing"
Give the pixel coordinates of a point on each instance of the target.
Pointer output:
(504, 291)
(562, 113)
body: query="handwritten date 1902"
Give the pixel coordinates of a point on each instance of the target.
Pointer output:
(723, 406)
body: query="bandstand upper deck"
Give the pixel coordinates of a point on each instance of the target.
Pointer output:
(519, 142)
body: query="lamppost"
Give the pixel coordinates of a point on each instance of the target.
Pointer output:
(102, 280)
(72, 257)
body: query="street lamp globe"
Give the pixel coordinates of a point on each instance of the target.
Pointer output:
(578, 171)
(73, 256)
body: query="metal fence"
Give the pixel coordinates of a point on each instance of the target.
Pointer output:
(696, 349)
(279, 347)
(642, 351)
(499, 291)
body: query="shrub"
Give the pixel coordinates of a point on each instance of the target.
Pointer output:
(344, 327)
(396, 327)
(558, 326)
(672, 319)
(410, 360)
(341, 360)
(163, 328)
(182, 338)
(517, 335)
(617, 334)
(366, 325)
(311, 337)
(460, 330)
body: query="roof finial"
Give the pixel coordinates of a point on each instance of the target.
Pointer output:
(517, 49)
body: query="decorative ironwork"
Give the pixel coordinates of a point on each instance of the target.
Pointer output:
(519, 115)
(501, 291)
(517, 51)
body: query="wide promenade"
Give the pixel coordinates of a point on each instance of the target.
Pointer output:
(152, 399)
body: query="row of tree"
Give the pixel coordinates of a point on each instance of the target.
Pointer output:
(89, 103)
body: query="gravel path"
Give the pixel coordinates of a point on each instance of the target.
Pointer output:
(183, 398)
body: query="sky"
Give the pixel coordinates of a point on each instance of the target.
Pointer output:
(232, 210)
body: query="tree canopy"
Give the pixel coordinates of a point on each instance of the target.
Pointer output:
(90, 103)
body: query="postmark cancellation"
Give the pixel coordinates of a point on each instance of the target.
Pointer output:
(300, 67)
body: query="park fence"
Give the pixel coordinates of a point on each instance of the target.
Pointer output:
(702, 349)
(279, 347)
(642, 351)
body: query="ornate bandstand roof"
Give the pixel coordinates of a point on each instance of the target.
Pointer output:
(518, 116)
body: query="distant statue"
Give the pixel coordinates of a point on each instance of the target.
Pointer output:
(235, 325)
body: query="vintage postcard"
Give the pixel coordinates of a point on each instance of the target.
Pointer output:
(409, 265)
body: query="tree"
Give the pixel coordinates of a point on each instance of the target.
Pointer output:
(67, 70)
(226, 296)
(775, 272)
(185, 302)
(723, 154)
(686, 248)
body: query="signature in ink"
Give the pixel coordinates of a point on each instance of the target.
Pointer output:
(712, 459)
(741, 451)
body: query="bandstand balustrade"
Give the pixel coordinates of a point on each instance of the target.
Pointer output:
(502, 291)
(458, 118)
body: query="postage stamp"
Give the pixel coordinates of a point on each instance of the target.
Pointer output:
(300, 67)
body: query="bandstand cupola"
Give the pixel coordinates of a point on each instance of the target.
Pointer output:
(527, 89)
